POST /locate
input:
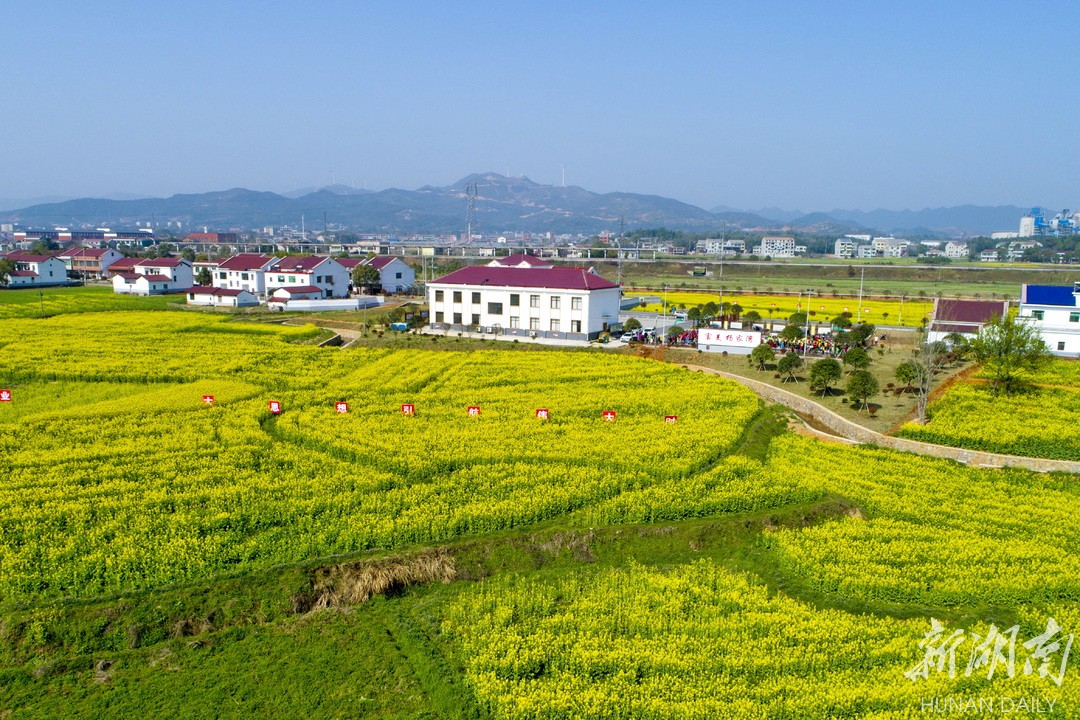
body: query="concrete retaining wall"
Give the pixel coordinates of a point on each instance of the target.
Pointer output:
(853, 431)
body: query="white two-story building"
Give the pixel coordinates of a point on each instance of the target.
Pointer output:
(395, 275)
(326, 274)
(246, 271)
(35, 270)
(564, 302)
(1055, 311)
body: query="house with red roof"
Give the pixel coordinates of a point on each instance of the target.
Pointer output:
(325, 274)
(395, 275)
(246, 271)
(89, 263)
(521, 260)
(151, 276)
(35, 270)
(965, 317)
(220, 297)
(552, 302)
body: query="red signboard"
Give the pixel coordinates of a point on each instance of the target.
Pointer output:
(542, 413)
(341, 408)
(275, 407)
(5, 396)
(408, 409)
(474, 410)
(208, 399)
(671, 418)
(609, 415)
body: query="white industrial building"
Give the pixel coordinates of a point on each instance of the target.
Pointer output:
(1055, 311)
(776, 246)
(564, 302)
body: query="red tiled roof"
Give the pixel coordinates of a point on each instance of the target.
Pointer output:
(162, 262)
(205, 290)
(89, 252)
(20, 256)
(123, 263)
(954, 328)
(246, 261)
(300, 289)
(23, 273)
(297, 264)
(518, 258)
(349, 263)
(967, 311)
(380, 261)
(152, 278)
(562, 278)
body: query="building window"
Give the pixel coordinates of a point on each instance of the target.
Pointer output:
(1037, 314)
(515, 300)
(243, 276)
(476, 298)
(438, 317)
(476, 318)
(438, 296)
(398, 276)
(534, 323)
(534, 301)
(555, 326)
(292, 278)
(191, 296)
(1074, 317)
(221, 276)
(575, 303)
(515, 322)
(575, 326)
(555, 302)
(280, 278)
(457, 318)
(494, 308)
(1061, 344)
(457, 296)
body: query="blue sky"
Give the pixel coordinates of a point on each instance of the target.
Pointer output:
(809, 105)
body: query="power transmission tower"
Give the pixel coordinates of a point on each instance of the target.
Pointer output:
(470, 219)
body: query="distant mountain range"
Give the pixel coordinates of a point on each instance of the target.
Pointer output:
(501, 203)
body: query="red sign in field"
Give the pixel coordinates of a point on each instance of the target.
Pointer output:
(341, 408)
(609, 415)
(474, 410)
(275, 407)
(408, 409)
(542, 413)
(5, 396)
(208, 399)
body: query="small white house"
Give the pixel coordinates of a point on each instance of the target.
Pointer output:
(302, 292)
(177, 270)
(139, 284)
(220, 297)
(35, 270)
(90, 262)
(395, 275)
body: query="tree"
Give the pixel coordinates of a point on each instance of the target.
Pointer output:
(861, 385)
(632, 324)
(751, 316)
(823, 373)
(761, 355)
(789, 364)
(856, 358)
(365, 277)
(204, 277)
(792, 332)
(694, 315)
(909, 372)
(188, 254)
(1007, 347)
(841, 322)
(6, 268)
(797, 318)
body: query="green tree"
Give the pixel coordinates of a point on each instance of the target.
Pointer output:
(204, 277)
(788, 364)
(1007, 347)
(792, 332)
(188, 254)
(365, 278)
(861, 386)
(6, 268)
(856, 358)
(761, 355)
(909, 372)
(797, 318)
(632, 324)
(824, 373)
(751, 316)
(694, 315)
(841, 322)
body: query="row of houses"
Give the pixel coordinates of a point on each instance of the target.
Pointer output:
(1053, 309)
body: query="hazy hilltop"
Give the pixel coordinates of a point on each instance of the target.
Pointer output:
(501, 203)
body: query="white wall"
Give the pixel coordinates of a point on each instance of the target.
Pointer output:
(596, 308)
(396, 276)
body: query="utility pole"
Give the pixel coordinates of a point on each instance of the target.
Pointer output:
(806, 334)
(862, 275)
